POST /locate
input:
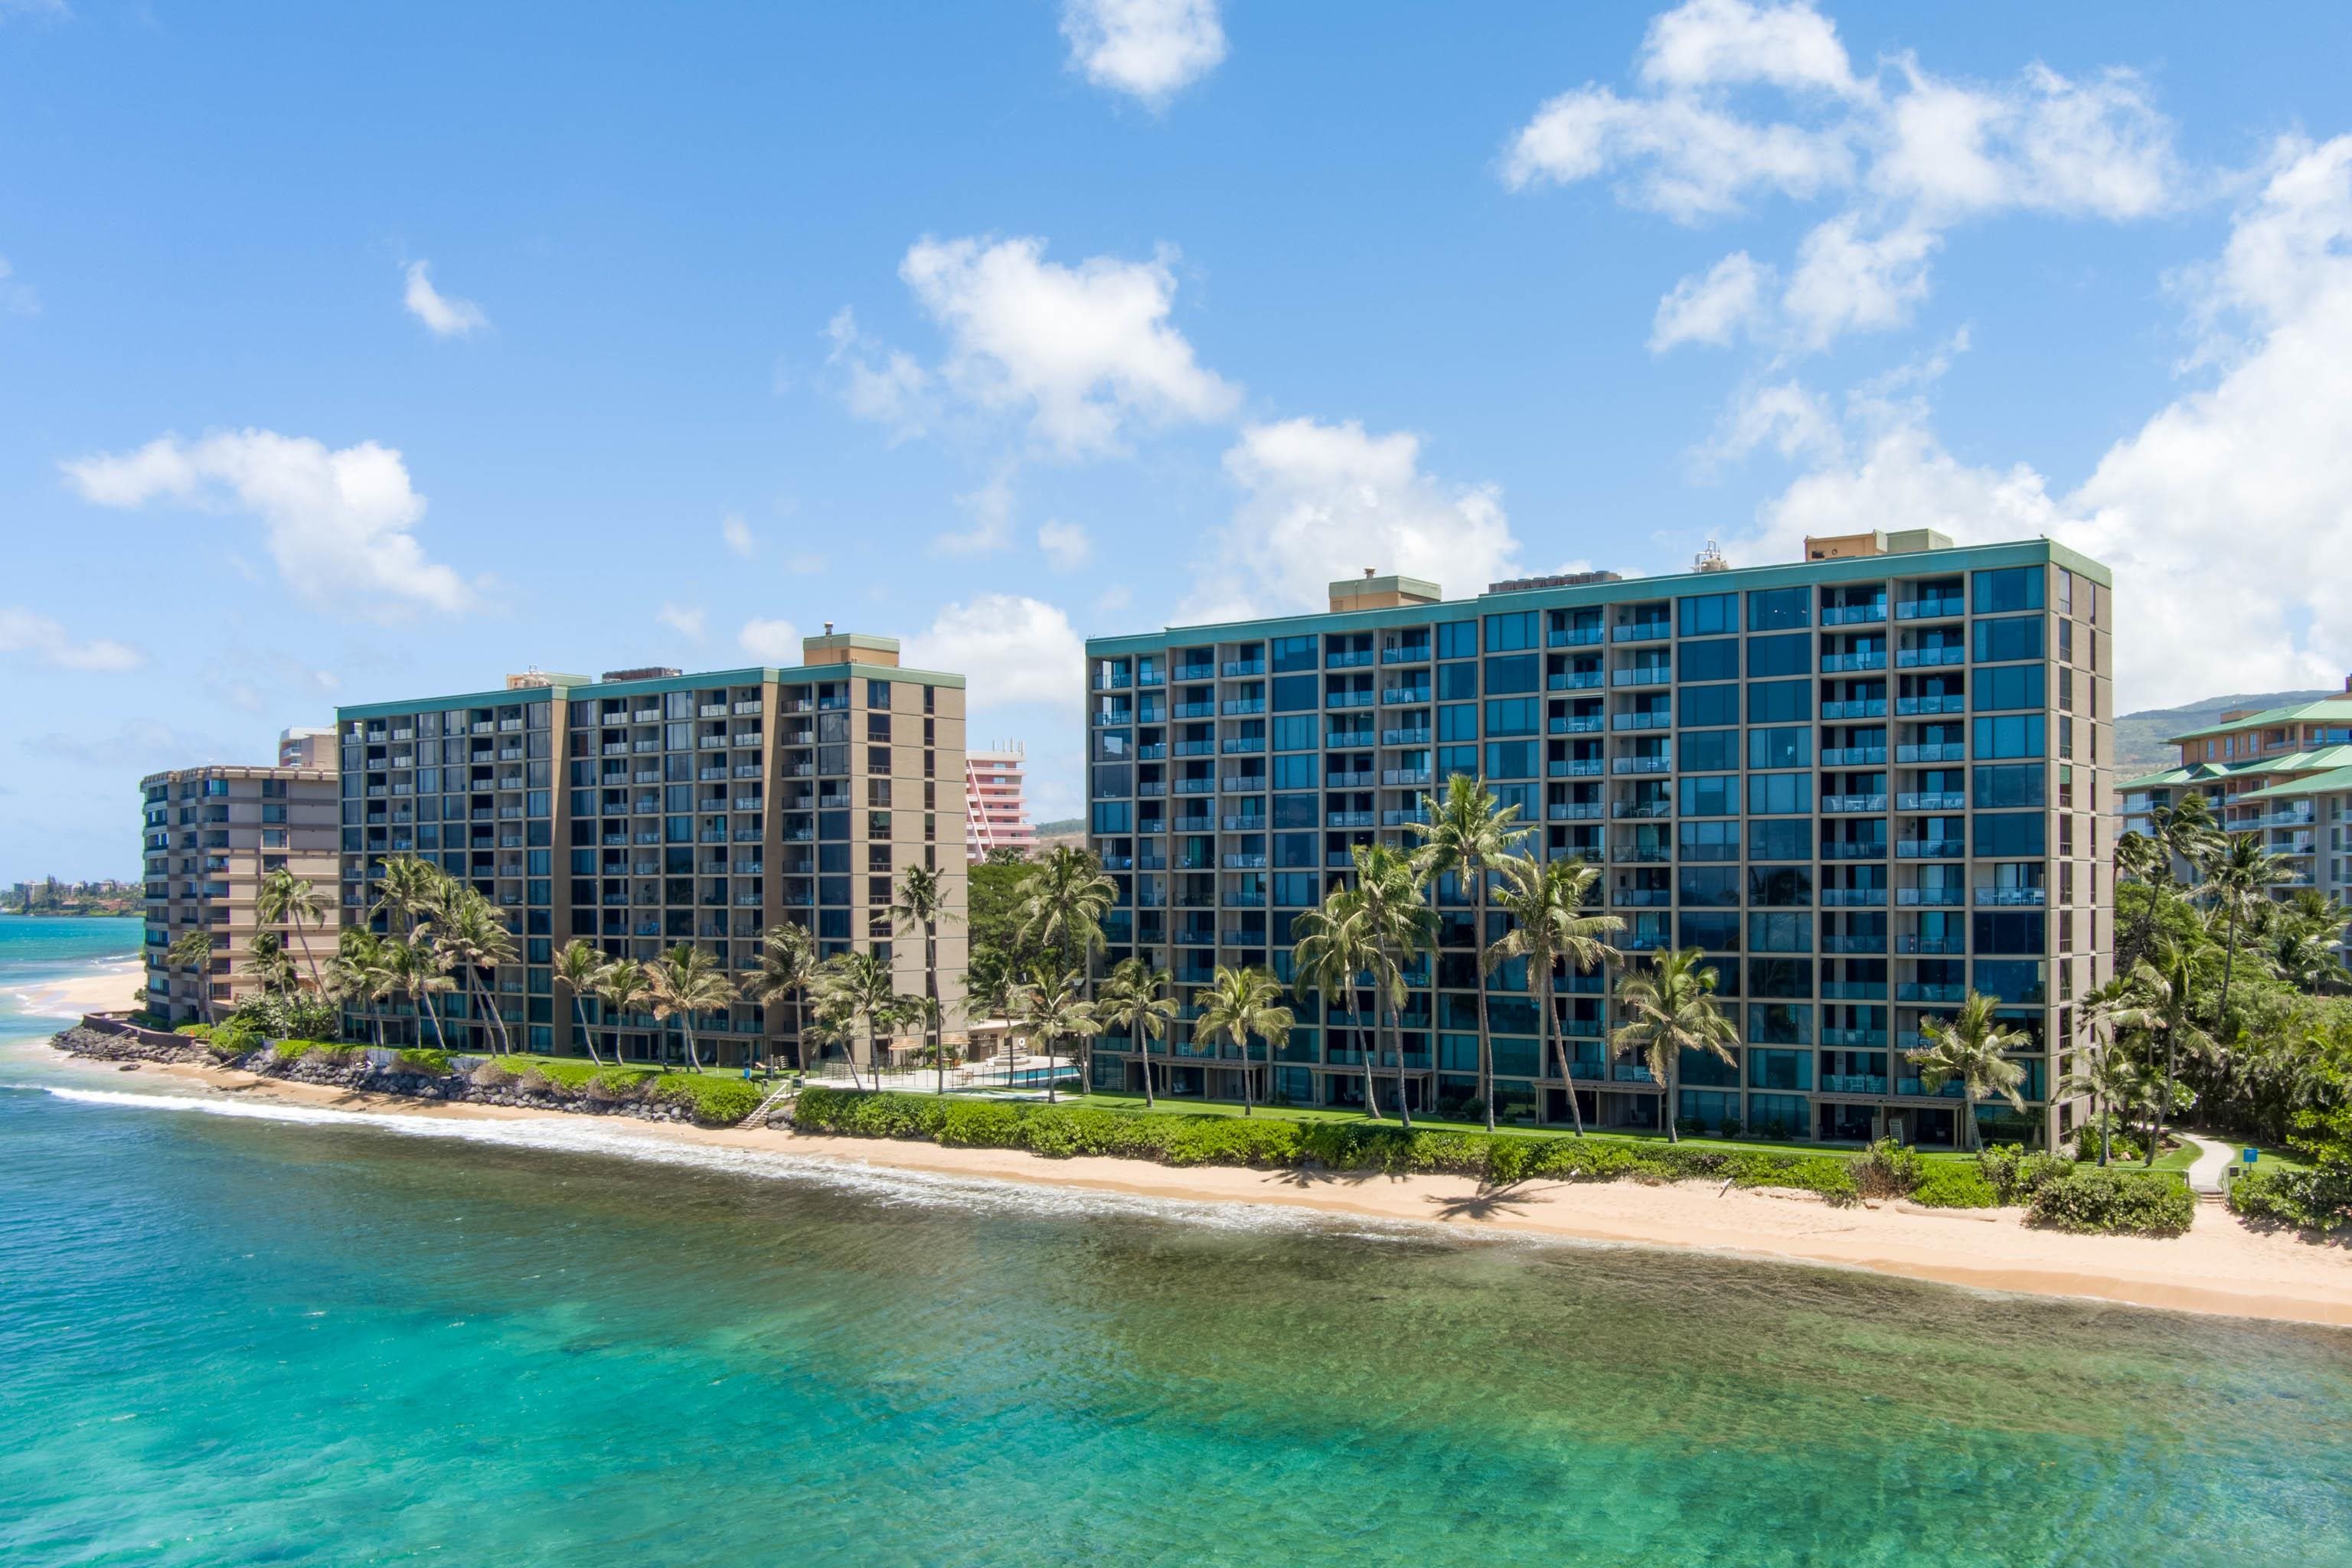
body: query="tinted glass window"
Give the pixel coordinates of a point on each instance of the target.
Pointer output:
(1716, 659)
(1779, 656)
(1778, 609)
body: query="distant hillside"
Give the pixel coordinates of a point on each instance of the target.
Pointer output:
(2140, 737)
(1062, 824)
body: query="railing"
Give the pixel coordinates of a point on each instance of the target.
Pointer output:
(1640, 631)
(1932, 946)
(1934, 896)
(1860, 708)
(1854, 756)
(1922, 800)
(1575, 681)
(1953, 702)
(1922, 991)
(1840, 663)
(1934, 609)
(1643, 675)
(1235, 667)
(1404, 737)
(1358, 697)
(1945, 752)
(1575, 724)
(1847, 941)
(1398, 695)
(1854, 615)
(1931, 848)
(1654, 719)
(1575, 637)
(1404, 778)
(1348, 659)
(1848, 898)
(2032, 897)
(1915, 658)
(1577, 768)
(1853, 849)
(1853, 1083)
(1407, 653)
(1849, 802)
(1573, 810)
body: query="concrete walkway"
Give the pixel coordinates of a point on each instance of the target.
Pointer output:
(2212, 1159)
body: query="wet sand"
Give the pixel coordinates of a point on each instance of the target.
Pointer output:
(2220, 1267)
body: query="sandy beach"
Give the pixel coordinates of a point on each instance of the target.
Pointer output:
(102, 988)
(2220, 1267)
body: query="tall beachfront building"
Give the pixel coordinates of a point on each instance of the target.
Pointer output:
(208, 836)
(1863, 784)
(649, 808)
(2284, 775)
(994, 788)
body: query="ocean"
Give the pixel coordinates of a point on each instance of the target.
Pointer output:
(234, 1334)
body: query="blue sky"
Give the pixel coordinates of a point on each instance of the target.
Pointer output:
(346, 351)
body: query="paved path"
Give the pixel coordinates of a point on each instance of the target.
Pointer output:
(2212, 1159)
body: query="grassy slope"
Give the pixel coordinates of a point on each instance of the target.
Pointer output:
(2140, 737)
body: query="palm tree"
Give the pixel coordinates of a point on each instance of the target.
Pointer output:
(193, 951)
(788, 966)
(418, 971)
(621, 986)
(1544, 901)
(264, 954)
(1670, 1008)
(1241, 1004)
(284, 898)
(1051, 1009)
(2186, 831)
(2242, 877)
(579, 966)
(1062, 906)
(356, 975)
(1968, 1047)
(859, 986)
(409, 892)
(922, 905)
(683, 982)
(2168, 979)
(1469, 833)
(1374, 927)
(989, 994)
(1135, 999)
(472, 936)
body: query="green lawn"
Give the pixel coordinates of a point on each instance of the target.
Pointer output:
(1134, 1102)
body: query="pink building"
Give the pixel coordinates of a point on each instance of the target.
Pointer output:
(999, 814)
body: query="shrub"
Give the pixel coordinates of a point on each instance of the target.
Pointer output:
(2317, 1201)
(194, 1031)
(1948, 1184)
(714, 1100)
(292, 1051)
(422, 1060)
(299, 1015)
(619, 1085)
(2015, 1175)
(565, 1073)
(2088, 1200)
(1888, 1170)
(230, 1045)
(490, 1074)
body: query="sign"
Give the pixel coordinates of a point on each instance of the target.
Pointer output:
(2249, 1153)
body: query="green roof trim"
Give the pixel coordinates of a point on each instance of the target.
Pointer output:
(2315, 783)
(1630, 590)
(2326, 707)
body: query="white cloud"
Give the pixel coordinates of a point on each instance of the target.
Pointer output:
(738, 534)
(50, 644)
(1713, 308)
(1784, 416)
(991, 506)
(1067, 546)
(15, 296)
(771, 642)
(1083, 350)
(804, 564)
(2225, 516)
(1907, 153)
(1116, 597)
(687, 622)
(447, 317)
(884, 387)
(337, 523)
(1151, 49)
(1323, 501)
(1008, 647)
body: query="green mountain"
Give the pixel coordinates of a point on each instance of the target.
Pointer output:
(2140, 737)
(1063, 825)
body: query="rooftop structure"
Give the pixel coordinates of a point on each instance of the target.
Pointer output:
(1863, 784)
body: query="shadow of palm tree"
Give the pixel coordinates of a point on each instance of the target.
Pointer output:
(1488, 1202)
(1307, 1176)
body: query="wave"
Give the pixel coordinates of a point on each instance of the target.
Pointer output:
(884, 1185)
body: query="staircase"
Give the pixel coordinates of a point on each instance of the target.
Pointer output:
(765, 1112)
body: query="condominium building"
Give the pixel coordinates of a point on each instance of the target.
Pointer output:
(649, 808)
(2282, 773)
(1863, 784)
(992, 787)
(306, 748)
(209, 836)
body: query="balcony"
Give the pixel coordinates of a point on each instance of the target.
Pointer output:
(1852, 1039)
(1235, 668)
(1352, 658)
(1928, 658)
(1918, 1089)
(1854, 615)
(1587, 636)
(2029, 898)
(1642, 898)
(1931, 946)
(1240, 861)
(1853, 1083)
(1854, 990)
(1930, 609)
(1641, 810)
(1196, 786)
(1640, 631)
(1399, 818)
(1921, 800)
(1573, 810)
(1625, 1073)
(1853, 802)
(1640, 854)
(1348, 819)
(1576, 768)
(1854, 756)
(1575, 724)
(1241, 783)
(1196, 748)
(1641, 764)
(1654, 719)
(1925, 991)
(1240, 706)
(1186, 710)
(1404, 737)
(1406, 652)
(1849, 942)
(1244, 822)
(1347, 739)
(1844, 663)
(1854, 897)
(1953, 702)
(1945, 752)
(1859, 708)
(1575, 681)
(1643, 675)
(1355, 699)
(1399, 695)
(1358, 778)
(1239, 745)
(1853, 849)
(1401, 778)
(1193, 672)
(1931, 849)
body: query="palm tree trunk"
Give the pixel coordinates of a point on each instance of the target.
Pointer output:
(1396, 1035)
(1560, 1048)
(302, 937)
(434, 1016)
(1053, 1069)
(1666, 1095)
(1371, 1051)
(587, 1036)
(1144, 1040)
(1241, 1041)
(693, 1057)
(2229, 966)
(931, 990)
(1479, 967)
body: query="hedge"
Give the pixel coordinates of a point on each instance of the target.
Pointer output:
(2093, 1200)
(2317, 1202)
(714, 1100)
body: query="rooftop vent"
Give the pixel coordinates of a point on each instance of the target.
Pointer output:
(1710, 559)
(1562, 580)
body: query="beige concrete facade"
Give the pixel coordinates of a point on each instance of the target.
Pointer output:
(210, 835)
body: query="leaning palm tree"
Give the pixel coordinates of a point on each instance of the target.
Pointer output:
(1544, 901)
(410, 892)
(420, 972)
(1469, 833)
(578, 968)
(1050, 1010)
(788, 967)
(2167, 978)
(860, 986)
(1335, 952)
(1968, 1047)
(2186, 831)
(193, 951)
(622, 987)
(356, 976)
(1670, 1008)
(1243, 1004)
(472, 937)
(1063, 903)
(922, 905)
(683, 982)
(1374, 928)
(264, 956)
(2241, 878)
(285, 899)
(1135, 1001)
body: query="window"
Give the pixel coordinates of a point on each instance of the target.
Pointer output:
(1295, 732)
(1506, 634)
(2018, 588)
(2010, 931)
(1295, 653)
(1511, 760)
(1705, 614)
(1791, 840)
(1780, 655)
(1780, 887)
(2018, 736)
(2011, 785)
(1780, 934)
(877, 759)
(877, 695)
(1520, 674)
(2011, 836)
(1779, 610)
(1779, 1023)
(1709, 887)
(2001, 641)
(1779, 748)
(1297, 770)
(1457, 682)
(1457, 639)
(1780, 701)
(1708, 840)
(1458, 722)
(1779, 794)
(1708, 750)
(1780, 977)
(1717, 658)
(1715, 932)
(1291, 693)
(1295, 810)
(2015, 687)
(1706, 705)
(1714, 794)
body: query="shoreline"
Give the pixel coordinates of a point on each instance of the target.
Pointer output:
(2220, 1268)
(104, 986)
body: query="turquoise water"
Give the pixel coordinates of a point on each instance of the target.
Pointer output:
(245, 1334)
(34, 948)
